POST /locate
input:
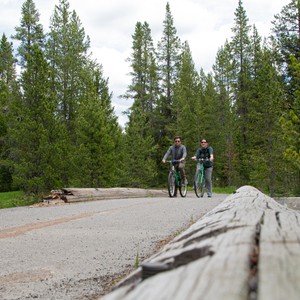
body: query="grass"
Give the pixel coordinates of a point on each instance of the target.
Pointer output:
(218, 190)
(225, 190)
(14, 199)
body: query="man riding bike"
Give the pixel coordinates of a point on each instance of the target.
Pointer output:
(178, 153)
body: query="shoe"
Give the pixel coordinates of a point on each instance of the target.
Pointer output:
(185, 183)
(209, 195)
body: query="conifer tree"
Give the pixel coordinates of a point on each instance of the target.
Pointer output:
(290, 122)
(8, 91)
(186, 108)
(140, 131)
(144, 87)
(67, 48)
(265, 109)
(169, 51)
(98, 156)
(32, 115)
(32, 129)
(29, 32)
(66, 51)
(286, 38)
(286, 41)
(225, 114)
(241, 49)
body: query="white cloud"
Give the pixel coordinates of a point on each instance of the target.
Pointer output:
(110, 25)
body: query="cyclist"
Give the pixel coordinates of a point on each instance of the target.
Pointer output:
(178, 152)
(207, 153)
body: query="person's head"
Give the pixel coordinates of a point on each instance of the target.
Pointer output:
(204, 143)
(177, 140)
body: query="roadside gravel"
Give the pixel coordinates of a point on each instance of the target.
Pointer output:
(79, 250)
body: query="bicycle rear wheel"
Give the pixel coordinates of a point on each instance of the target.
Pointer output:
(183, 189)
(199, 184)
(172, 184)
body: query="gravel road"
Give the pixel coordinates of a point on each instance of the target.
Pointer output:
(78, 251)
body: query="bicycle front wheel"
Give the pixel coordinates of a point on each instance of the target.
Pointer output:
(183, 190)
(202, 186)
(199, 184)
(172, 184)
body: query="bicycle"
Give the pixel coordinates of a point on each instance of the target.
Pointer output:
(199, 181)
(174, 181)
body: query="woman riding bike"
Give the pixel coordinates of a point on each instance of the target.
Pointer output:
(206, 153)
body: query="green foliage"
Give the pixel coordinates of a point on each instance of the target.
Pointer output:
(29, 32)
(97, 137)
(16, 198)
(137, 259)
(169, 59)
(58, 126)
(139, 144)
(224, 190)
(290, 122)
(8, 90)
(32, 126)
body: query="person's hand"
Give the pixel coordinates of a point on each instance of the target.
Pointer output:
(182, 159)
(163, 161)
(193, 157)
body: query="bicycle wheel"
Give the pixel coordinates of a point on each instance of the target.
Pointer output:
(182, 189)
(199, 184)
(202, 186)
(172, 184)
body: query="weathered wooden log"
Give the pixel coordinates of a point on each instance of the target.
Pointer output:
(91, 194)
(248, 247)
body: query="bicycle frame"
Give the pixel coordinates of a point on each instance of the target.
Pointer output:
(177, 175)
(174, 181)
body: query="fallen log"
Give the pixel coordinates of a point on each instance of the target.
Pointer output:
(69, 195)
(248, 247)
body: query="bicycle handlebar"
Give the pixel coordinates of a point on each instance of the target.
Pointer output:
(173, 161)
(201, 159)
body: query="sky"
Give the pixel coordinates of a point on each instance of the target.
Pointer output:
(110, 24)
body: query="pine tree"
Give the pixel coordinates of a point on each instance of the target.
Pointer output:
(29, 32)
(186, 108)
(265, 109)
(139, 143)
(32, 115)
(32, 129)
(286, 39)
(144, 87)
(66, 51)
(140, 151)
(169, 51)
(290, 122)
(241, 49)
(98, 135)
(8, 91)
(224, 144)
(67, 48)
(292, 128)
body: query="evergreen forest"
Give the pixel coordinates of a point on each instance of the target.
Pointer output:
(58, 127)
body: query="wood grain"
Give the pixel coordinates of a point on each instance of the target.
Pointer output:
(248, 247)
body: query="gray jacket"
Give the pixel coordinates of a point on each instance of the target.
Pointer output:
(176, 152)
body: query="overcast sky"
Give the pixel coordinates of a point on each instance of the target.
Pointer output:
(205, 24)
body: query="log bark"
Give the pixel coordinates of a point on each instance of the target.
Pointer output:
(69, 195)
(248, 247)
